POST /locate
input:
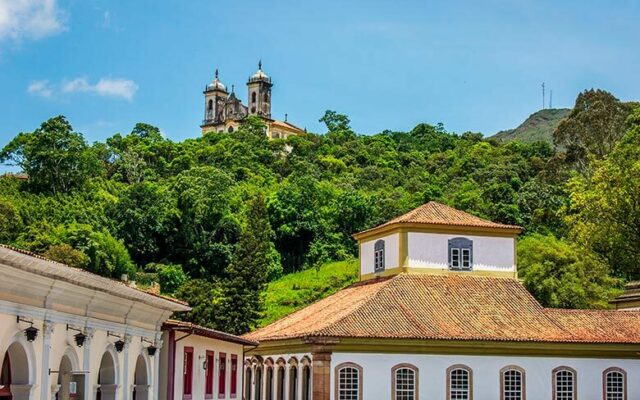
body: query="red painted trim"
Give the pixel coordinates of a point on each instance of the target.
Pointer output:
(171, 374)
(187, 373)
(211, 368)
(222, 375)
(234, 376)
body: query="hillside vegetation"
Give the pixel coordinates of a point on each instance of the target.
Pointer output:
(219, 219)
(299, 289)
(539, 126)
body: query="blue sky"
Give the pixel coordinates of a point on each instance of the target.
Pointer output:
(472, 65)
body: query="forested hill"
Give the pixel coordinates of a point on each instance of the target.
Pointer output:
(214, 219)
(539, 126)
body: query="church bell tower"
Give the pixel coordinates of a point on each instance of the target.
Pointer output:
(215, 95)
(259, 100)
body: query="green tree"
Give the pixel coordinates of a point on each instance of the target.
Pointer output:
(55, 158)
(65, 254)
(204, 298)
(594, 126)
(564, 275)
(604, 212)
(246, 276)
(171, 277)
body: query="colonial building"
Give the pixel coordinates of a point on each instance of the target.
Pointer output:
(438, 313)
(200, 363)
(223, 111)
(67, 334)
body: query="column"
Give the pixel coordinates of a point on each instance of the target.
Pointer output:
(47, 330)
(125, 369)
(86, 364)
(321, 375)
(156, 369)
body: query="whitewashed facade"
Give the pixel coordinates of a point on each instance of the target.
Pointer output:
(91, 337)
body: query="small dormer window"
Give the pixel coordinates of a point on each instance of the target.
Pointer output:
(461, 254)
(378, 256)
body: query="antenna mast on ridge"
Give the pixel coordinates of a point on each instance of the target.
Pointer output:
(543, 96)
(551, 98)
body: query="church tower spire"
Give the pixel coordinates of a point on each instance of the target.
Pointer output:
(259, 96)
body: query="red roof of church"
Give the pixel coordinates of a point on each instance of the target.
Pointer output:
(449, 307)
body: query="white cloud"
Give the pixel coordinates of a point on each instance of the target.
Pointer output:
(32, 19)
(106, 87)
(40, 88)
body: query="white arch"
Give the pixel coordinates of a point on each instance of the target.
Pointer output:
(19, 339)
(111, 350)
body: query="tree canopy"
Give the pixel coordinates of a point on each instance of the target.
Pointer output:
(214, 218)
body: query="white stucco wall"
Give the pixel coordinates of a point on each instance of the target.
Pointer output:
(486, 370)
(200, 346)
(430, 250)
(391, 253)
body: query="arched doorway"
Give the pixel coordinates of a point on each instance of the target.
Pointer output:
(14, 379)
(70, 385)
(141, 380)
(107, 385)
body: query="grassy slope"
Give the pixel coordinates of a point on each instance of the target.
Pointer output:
(538, 127)
(297, 290)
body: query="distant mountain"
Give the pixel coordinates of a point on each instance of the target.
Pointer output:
(538, 127)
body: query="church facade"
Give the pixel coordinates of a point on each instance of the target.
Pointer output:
(224, 111)
(438, 313)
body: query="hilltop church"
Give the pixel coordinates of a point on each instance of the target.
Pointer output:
(224, 112)
(439, 313)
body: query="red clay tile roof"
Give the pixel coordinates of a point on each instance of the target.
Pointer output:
(206, 332)
(450, 307)
(434, 213)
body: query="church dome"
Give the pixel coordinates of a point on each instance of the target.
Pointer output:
(216, 84)
(259, 75)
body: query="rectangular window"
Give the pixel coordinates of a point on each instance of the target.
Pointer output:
(208, 385)
(234, 375)
(455, 258)
(222, 376)
(466, 258)
(187, 373)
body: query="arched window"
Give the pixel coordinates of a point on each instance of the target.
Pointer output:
(266, 97)
(459, 383)
(269, 383)
(378, 256)
(564, 384)
(210, 106)
(306, 382)
(247, 383)
(614, 384)
(404, 382)
(348, 382)
(258, 385)
(253, 97)
(460, 254)
(293, 382)
(512, 383)
(280, 383)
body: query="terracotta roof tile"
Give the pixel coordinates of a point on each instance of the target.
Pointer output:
(434, 213)
(453, 307)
